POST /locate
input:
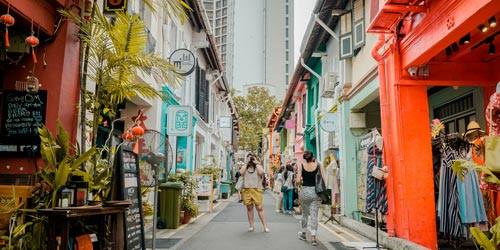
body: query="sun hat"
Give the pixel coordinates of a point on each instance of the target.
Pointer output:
(472, 127)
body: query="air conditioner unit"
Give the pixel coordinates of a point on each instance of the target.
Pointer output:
(328, 83)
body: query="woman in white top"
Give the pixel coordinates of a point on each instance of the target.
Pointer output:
(252, 191)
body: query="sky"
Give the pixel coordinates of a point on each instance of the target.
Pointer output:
(302, 14)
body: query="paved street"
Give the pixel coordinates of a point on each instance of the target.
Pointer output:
(226, 228)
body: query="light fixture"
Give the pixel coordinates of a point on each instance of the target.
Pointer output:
(482, 28)
(492, 21)
(465, 39)
(491, 49)
(448, 51)
(454, 47)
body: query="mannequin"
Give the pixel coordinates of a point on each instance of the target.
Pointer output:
(332, 175)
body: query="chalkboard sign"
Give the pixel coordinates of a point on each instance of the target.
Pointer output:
(130, 184)
(22, 114)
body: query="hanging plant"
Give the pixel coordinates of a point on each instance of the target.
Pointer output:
(8, 21)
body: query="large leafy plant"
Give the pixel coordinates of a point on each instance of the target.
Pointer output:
(60, 164)
(460, 168)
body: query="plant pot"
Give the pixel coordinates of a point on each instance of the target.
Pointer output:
(181, 216)
(186, 218)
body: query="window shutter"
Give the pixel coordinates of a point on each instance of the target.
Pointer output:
(198, 89)
(206, 104)
(346, 50)
(359, 24)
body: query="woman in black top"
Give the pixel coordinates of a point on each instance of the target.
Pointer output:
(309, 200)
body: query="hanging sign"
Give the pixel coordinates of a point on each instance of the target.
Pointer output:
(327, 122)
(115, 5)
(179, 120)
(289, 124)
(184, 61)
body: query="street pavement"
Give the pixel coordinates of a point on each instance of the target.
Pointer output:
(226, 228)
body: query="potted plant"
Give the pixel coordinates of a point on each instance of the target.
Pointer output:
(190, 209)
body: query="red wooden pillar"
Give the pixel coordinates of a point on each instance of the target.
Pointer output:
(411, 185)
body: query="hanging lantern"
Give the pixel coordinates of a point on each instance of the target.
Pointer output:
(7, 20)
(127, 136)
(33, 42)
(137, 131)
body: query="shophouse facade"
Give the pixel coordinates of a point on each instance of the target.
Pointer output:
(214, 116)
(417, 76)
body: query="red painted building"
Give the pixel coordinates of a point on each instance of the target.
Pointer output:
(423, 44)
(57, 70)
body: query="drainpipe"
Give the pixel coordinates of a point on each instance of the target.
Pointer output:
(384, 113)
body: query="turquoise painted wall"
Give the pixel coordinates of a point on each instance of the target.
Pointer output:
(350, 142)
(312, 105)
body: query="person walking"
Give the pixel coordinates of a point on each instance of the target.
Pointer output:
(288, 193)
(309, 200)
(252, 191)
(278, 183)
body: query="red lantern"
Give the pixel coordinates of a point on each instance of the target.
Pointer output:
(7, 20)
(137, 131)
(33, 42)
(127, 136)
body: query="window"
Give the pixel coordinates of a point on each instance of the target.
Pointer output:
(286, 68)
(224, 3)
(286, 9)
(223, 49)
(218, 14)
(218, 5)
(286, 79)
(224, 12)
(286, 56)
(286, 21)
(456, 114)
(304, 111)
(286, 32)
(286, 44)
(346, 50)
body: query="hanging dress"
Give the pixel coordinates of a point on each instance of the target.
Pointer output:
(376, 196)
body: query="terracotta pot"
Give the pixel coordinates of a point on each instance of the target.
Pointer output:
(181, 216)
(186, 219)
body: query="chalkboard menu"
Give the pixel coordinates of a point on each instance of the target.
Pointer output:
(130, 185)
(22, 114)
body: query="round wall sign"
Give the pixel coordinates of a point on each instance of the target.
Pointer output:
(184, 61)
(327, 122)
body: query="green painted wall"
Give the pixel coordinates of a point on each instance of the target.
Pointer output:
(312, 105)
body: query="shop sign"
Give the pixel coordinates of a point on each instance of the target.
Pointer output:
(179, 120)
(225, 122)
(184, 61)
(115, 5)
(327, 122)
(290, 124)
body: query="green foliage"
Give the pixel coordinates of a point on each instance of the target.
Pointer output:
(253, 110)
(116, 56)
(59, 163)
(188, 203)
(461, 168)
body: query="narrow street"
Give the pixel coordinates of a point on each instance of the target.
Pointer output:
(226, 228)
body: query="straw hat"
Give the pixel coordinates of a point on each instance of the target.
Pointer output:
(472, 127)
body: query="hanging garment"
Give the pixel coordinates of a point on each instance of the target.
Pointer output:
(470, 199)
(450, 224)
(376, 196)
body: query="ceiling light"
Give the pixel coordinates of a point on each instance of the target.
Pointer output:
(482, 28)
(465, 39)
(492, 21)
(491, 49)
(454, 47)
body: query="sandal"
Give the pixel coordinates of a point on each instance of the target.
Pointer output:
(267, 230)
(250, 229)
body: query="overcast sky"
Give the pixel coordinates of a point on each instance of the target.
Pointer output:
(302, 14)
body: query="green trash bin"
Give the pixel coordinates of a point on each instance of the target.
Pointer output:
(169, 205)
(224, 189)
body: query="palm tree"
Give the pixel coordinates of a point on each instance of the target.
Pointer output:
(114, 55)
